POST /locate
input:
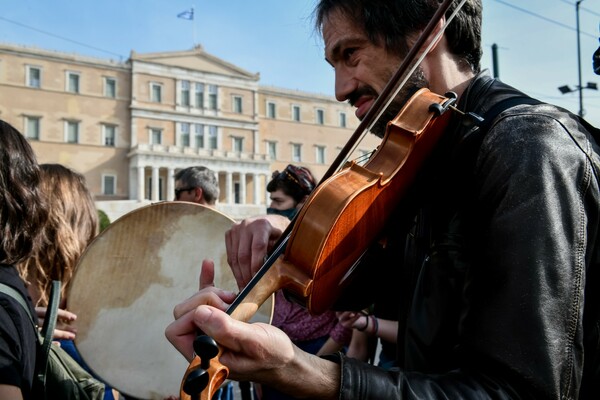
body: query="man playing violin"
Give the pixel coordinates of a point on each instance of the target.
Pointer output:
(497, 243)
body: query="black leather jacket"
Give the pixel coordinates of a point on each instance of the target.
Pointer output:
(497, 281)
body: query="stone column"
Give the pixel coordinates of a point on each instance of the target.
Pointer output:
(256, 197)
(170, 183)
(229, 188)
(154, 184)
(141, 183)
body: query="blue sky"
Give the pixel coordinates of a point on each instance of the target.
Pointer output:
(536, 38)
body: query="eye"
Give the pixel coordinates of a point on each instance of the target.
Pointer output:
(350, 55)
(349, 52)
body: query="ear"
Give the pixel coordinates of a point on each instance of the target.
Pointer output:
(434, 38)
(198, 195)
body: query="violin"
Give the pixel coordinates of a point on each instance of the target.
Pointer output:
(340, 220)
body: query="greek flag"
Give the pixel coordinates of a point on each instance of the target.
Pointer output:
(187, 14)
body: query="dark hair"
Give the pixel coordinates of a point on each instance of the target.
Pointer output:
(23, 210)
(202, 177)
(296, 182)
(391, 21)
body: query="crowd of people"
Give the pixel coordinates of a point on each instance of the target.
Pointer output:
(483, 282)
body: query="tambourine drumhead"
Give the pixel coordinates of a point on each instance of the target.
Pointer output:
(127, 283)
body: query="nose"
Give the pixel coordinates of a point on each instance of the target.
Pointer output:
(344, 83)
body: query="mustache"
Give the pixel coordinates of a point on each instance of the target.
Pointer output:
(359, 92)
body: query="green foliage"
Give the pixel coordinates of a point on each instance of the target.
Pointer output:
(104, 220)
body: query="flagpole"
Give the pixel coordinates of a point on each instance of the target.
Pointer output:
(189, 15)
(193, 28)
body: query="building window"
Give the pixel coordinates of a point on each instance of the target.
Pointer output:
(272, 150)
(199, 134)
(73, 82)
(296, 152)
(110, 87)
(155, 136)
(271, 110)
(320, 154)
(237, 104)
(199, 94)
(320, 116)
(213, 136)
(343, 119)
(296, 113)
(109, 185)
(109, 135)
(212, 97)
(185, 134)
(72, 131)
(156, 92)
(32, 128)
(185, 93)
(238, 144)
(34, 77)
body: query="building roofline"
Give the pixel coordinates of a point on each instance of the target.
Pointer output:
(34, 51)
(279, 91)
(198, 50)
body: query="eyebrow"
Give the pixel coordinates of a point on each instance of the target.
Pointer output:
(336, 49)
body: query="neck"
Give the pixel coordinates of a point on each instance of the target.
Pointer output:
(446, 72)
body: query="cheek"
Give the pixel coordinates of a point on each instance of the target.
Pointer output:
(289, 204)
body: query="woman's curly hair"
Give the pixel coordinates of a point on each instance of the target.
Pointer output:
(71, 226)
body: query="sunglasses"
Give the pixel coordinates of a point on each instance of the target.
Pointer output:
(184, 189)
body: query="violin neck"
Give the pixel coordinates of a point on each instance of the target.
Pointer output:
(275, 274)
(245, 295)
(249, 300)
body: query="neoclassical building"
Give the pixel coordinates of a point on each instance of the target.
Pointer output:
(129, 126)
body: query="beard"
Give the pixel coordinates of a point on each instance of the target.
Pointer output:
(416, 81)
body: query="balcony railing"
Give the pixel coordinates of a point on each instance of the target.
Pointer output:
(159, 149)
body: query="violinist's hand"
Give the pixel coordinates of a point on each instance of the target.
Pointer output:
(64, 318)
(182, 332)
(248, 242)
(208, 293)
(253, 352)
(351, 319)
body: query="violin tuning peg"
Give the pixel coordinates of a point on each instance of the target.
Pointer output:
(451, 95)
(195, 382)
(206, 348)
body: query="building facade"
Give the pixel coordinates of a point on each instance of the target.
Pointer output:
(128, 127)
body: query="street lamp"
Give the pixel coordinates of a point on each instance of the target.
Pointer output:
(567, 89)
(590, 85)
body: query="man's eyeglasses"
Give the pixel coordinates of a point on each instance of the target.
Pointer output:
(184, 189)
